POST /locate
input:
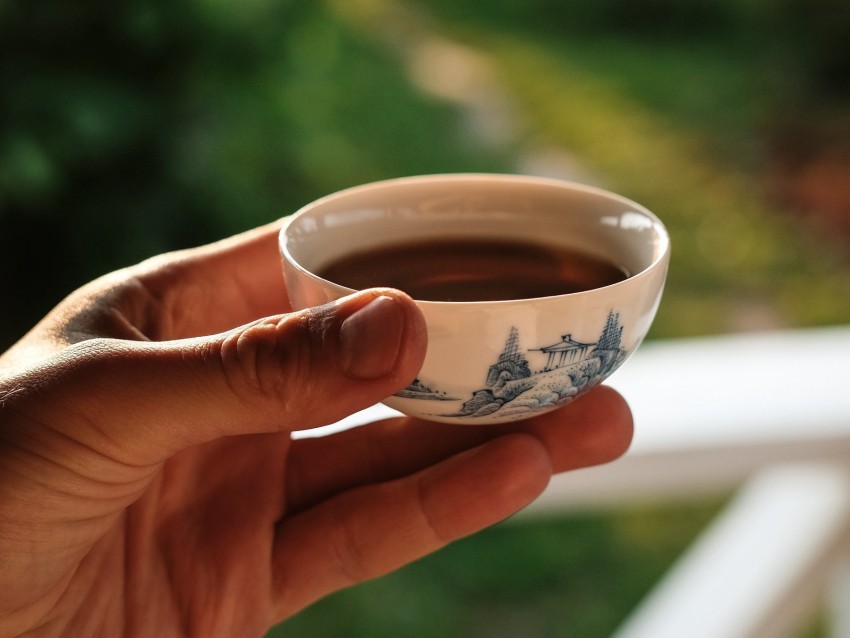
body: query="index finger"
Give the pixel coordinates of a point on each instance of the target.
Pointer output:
(594, 429)
(219, 286)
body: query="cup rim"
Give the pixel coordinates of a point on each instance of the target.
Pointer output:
(659, 227)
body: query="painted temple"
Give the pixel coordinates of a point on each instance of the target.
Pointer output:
(512, 364)
(565, 352)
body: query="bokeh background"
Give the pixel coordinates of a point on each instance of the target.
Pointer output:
(135, 127)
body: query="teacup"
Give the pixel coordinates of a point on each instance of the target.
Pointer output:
(494, 361)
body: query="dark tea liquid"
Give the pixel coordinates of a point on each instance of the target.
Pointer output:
(473, 270)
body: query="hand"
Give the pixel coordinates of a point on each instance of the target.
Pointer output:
(149, 485)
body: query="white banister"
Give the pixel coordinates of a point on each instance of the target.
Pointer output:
(760, 567)
(711, 411)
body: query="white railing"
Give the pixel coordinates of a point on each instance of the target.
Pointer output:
(711, 412)
(767, 415)
(762, 566)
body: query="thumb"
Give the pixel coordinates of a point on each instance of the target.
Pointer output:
(280, 373)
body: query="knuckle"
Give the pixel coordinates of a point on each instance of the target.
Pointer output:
(269, 359)
(352, 550)
(438, 535)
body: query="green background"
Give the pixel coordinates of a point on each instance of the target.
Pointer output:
(132, 128)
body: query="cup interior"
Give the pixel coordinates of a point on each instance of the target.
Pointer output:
(499, 207)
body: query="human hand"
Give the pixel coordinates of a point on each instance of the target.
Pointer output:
(149, 485)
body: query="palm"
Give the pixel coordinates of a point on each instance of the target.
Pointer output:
(201, 537)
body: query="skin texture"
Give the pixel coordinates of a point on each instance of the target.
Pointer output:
(149, 485)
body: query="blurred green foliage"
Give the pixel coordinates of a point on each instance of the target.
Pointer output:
(807, 42)
(681, 106)
(542, 578)
(137, 127)
(131, 128)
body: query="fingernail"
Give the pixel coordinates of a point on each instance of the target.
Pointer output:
(370, 339)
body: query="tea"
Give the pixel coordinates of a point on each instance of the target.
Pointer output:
(473, 270)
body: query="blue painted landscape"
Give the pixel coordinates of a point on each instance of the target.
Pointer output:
(513, 387)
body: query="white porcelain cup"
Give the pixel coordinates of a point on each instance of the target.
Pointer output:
(495, 361)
